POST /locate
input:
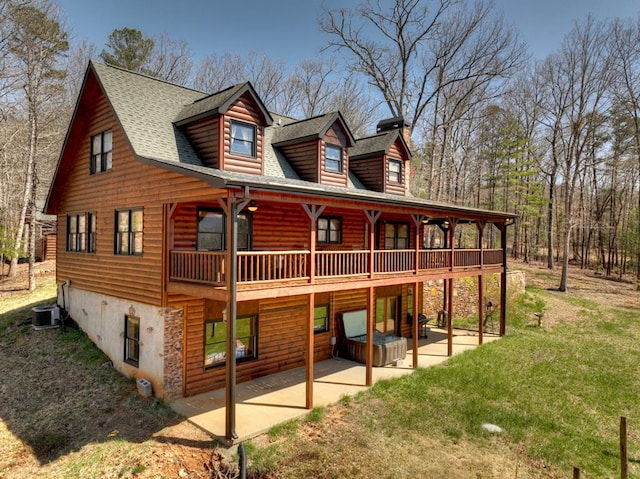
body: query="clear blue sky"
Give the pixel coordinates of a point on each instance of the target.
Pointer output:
(288, 28)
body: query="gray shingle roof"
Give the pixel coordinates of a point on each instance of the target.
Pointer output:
(209, 103)
(145, 107)
(375, 144)
(314, 127)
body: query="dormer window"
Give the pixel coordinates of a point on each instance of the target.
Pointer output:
(333, 158)
(243, 138)
(394, 171)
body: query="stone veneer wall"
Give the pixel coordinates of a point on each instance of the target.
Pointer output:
(173, 341)
(465, 293)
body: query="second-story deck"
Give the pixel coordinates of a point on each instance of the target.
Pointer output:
(254, 267)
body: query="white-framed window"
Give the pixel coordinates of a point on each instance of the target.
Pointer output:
(333, 158)
(101, 152)
(243, 138)
(394, 171)
(128, 232)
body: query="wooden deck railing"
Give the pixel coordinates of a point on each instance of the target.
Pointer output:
(197, 266)
(271, 265)
(342, 263)
(262, 266)
(394, 261)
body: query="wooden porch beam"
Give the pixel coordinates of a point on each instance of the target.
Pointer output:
(480, 308)
(373, 217)
(503, 280)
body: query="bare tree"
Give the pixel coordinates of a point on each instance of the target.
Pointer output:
(583, 75)
(410, 52)
(170, 60)
(37, 42)
(624, 38)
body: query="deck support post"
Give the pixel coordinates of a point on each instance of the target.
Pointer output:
(481, 305)
(503, 279)
(452, 228)
(414, 325)
(309, 353)
(373, 217)
(231, 208)
(371, 304)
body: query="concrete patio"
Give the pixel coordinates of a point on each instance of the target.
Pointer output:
(271, 400)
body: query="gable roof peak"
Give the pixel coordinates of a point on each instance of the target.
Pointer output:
(219, 103)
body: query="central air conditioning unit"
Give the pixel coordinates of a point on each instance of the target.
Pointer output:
(45, 316)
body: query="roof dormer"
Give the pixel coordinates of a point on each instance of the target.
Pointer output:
(227, 129)
(317, 148)
(381, 162)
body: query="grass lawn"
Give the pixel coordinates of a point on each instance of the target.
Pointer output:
(558, 392)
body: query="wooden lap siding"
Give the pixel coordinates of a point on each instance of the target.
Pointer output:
(281, 334)
(395, 188)
(334, 136)
(303, 156)
(203, 135)
(244, 110)
(137, 278)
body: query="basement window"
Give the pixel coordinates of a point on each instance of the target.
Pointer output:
(215, 340)
(132, 340)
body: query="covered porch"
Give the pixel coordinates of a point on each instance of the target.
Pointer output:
(271, 400)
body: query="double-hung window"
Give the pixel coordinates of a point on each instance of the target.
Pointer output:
(132, 340)
(329, 230)
(128, 234)
(81, 233)
(396, 236)
(243, 138)
(394, 171)
(215, 340)
(212, 229)
(101, 155)
(333, 158)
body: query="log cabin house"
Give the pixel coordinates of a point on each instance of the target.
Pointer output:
(197, 227)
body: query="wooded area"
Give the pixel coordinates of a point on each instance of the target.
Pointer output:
(556, 141)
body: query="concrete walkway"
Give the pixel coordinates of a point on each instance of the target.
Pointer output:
(270, 400)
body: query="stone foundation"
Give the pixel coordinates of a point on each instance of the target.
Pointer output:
(173, 341)
(465, 293)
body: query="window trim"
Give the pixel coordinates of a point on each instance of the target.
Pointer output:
(255, 339)
(325, 327)
(327, 160)
(396, 225)
(128, 357)
(400, 180)
(223, 243)
(83, 240)
(117, 246)
(92, 226)
(328, 230)
(106, 157)
(254, 142)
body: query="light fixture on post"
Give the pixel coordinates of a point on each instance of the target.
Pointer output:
(253, 206)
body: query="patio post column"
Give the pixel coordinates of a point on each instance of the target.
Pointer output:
(503, 279)
(231, 208)
(414, 324)
(370, 321)
(481, 225)
(309, 353)
(452, 228)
